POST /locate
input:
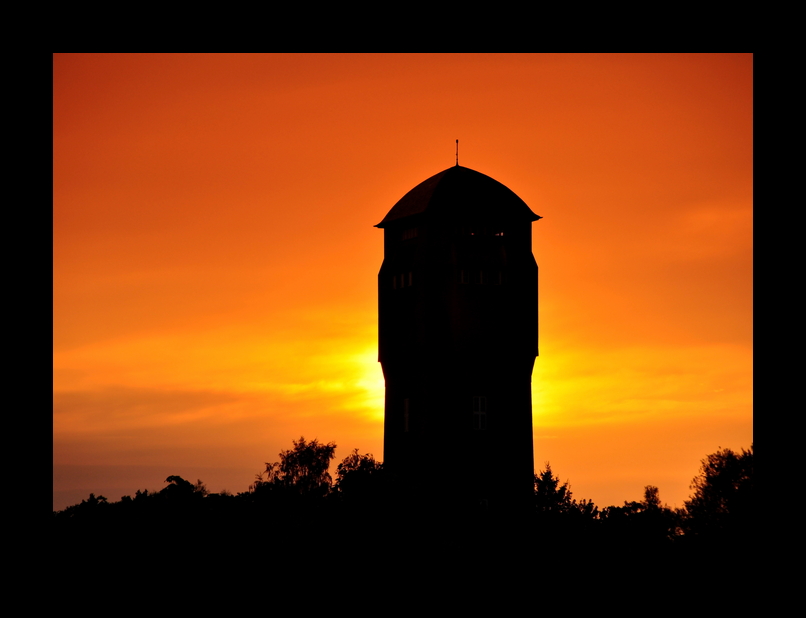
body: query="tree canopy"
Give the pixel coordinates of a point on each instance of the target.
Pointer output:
(304, 469)
(298, 490)
(721, 504)
(359, 476)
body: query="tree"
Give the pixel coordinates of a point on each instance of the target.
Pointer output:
(179, 489)
(303, 469)
(550, 496)
(558, 515)
(359, 476)
(723, 494)
(651, 501)
(644, 521)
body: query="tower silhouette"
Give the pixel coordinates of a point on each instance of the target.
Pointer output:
(457, 339)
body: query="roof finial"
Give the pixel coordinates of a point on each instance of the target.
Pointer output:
(457, 153)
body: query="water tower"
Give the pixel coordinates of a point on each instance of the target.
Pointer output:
(457, 327)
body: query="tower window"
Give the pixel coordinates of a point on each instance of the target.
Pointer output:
(406, 415)
(410, 233)
(464, 276)
(402, 280)
(479, 413)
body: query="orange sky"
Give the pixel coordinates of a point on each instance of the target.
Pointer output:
(215, 258)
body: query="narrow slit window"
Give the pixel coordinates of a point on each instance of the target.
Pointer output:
(479, 413)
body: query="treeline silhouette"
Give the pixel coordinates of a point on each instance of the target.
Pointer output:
(294, 503)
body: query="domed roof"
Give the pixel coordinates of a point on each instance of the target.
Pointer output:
(461, 193)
